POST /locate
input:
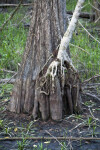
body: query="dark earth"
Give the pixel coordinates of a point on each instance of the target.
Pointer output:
(86, 124)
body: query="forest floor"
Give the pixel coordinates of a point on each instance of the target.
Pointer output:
(85, 125)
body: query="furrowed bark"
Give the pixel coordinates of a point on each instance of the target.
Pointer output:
(51, 91)
(72, 82)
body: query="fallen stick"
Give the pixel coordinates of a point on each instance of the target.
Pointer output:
(92, 95)
(15, 5)
(83, 15)
(8, 71)
(49, 138)
(86, 81)
(11, 81)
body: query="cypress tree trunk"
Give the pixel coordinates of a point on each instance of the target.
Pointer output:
(96, 4)
(40, 89)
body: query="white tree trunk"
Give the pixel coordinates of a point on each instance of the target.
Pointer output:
(62, 53)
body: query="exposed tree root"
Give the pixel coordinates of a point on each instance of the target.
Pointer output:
(57, 92)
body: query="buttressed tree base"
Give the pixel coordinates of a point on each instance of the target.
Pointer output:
(48, 85)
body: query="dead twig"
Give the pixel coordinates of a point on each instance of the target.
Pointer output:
(83, 14)
(8, 71)
(80, 124)
(8, 80)
(96, 76)
(1, 28)
(56, 139)
(11, 81)
(94, 7)
(79, 48)
(89, 33)
(93, 115)
(15, 5)
(49, 138)
(92, 95)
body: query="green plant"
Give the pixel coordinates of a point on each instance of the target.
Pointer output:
(94, 128)
(1, 124)
(40, 147)
(90, 103)
(89, 121)
(29, 126)
(12, 42)
(7, 130)
(78, 117)
(63, 147)
(22, 144)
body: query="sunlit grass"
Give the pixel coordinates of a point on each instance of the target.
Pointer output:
(87, 64)
(12, 42)
(70, 4)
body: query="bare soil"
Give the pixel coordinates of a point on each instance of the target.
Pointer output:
(86, 124)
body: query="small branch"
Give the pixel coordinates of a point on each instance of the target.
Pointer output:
(79, 48)
(96, 76)
(93, 115)
(83, 15)
(4, 103)
(1, 28)
(89, 33)
(95, 7)
(92, 95)
(92, 84)
(15, 5)
(12, 81)
(97, 20)
(56, 139)
(77, 126)
(8, 71)
(49, 138)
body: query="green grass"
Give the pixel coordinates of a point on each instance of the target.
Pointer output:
(12, 42)
(70, 4)
(87, 64)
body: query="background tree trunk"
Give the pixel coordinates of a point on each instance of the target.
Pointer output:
(96, 4)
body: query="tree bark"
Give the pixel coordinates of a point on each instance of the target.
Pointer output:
(48, 25)
(96, 9)
(50, 90)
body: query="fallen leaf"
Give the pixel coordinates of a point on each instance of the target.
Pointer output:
(15, 129)
(47, 142)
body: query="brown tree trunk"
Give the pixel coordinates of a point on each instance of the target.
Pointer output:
(33, 92)
(96, 9)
